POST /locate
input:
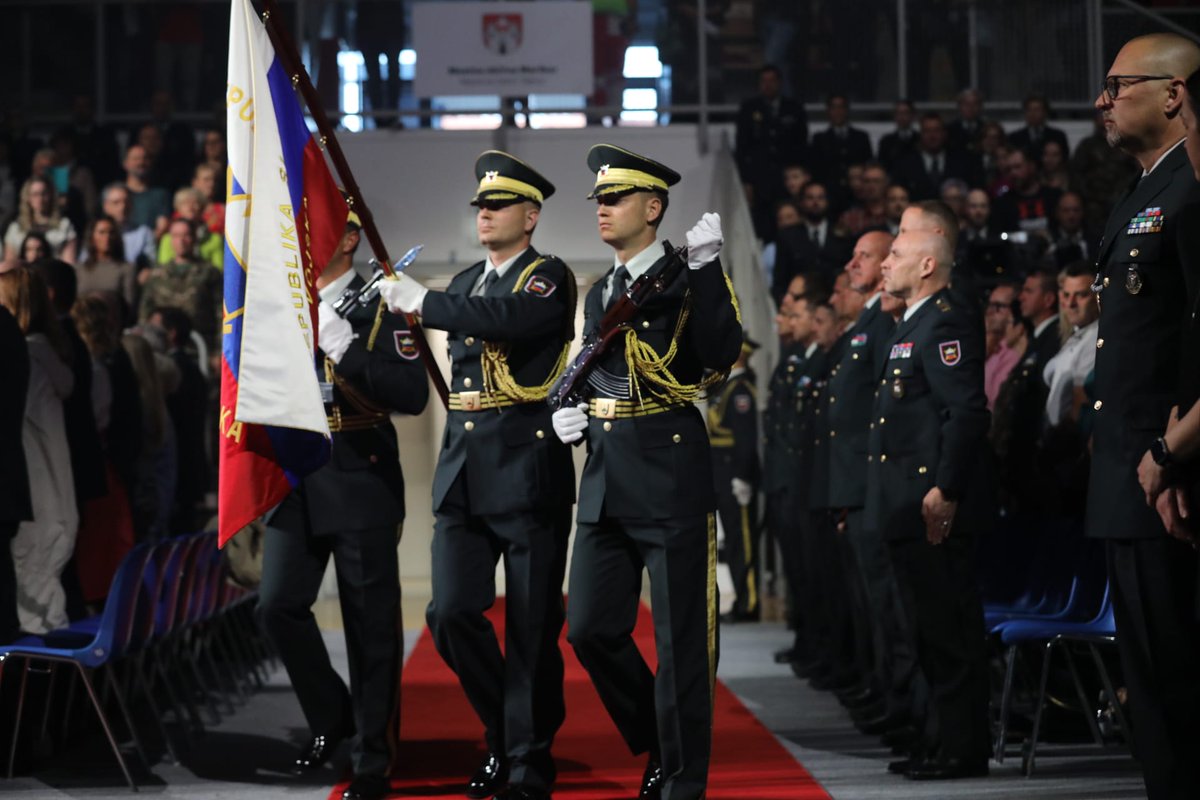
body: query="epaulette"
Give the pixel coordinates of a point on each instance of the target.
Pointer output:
(942, 304)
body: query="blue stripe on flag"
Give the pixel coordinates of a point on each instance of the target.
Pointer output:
(293, 132)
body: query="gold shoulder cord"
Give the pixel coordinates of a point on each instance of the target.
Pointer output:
(497, 377)
(644, 362)
(375, 326)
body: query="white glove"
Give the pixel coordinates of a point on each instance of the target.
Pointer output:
(334, 334)
(742, 491)
(704, 241)
(403, 295)
(570, 422)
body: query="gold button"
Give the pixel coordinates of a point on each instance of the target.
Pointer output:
(881, 420)
(853, 356)
(832, 434)
(832, 399)
(470, 340)
(1099, 343)
(883, 458)
(894, 372)
(467, 382)
(922, 470)
(870, 458)
(1106, 281)
(540, 434)
(469, 425)
(1134, 253)
(1098, 404)
(608, 426)
(645, 323)
(872, 426)
(677, 438)
(884, 382)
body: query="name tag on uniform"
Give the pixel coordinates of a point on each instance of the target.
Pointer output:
(1149, 220)
(902, 350)
(326, 392)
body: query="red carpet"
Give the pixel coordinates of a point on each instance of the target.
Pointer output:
(442, 740)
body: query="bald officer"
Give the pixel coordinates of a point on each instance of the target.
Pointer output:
(504, 484)
(646, 497)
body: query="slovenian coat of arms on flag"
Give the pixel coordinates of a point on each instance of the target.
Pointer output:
(284, 216)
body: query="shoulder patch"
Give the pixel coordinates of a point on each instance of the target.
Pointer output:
(539, 285)
(951, 352)
(406, 345)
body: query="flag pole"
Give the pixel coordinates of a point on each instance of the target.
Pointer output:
(290, 58)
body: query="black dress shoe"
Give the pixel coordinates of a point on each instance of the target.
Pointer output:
(903, 737)
(945, 768)
(489, 778)
(318, 751)
(522, 793)
(881, 725)
(860, 699)
(367, 787)
(652, 781)
(900, 767)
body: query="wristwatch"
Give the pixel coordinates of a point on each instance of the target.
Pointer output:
(1160, 453)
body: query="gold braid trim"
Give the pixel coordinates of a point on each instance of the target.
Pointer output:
(737, 310)
(375, 327)
(644, 362)
(497, 377)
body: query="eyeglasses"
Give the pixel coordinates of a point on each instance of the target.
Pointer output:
(1114, 83)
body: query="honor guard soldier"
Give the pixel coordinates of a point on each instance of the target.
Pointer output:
(646, 496)
(733, 436)
(930, 421)
(1142, 294)
(351, 509)
(504, 484)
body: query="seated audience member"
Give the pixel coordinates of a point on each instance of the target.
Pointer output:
(870, 209)
(980, 248)
(205, 180)
(213, 152)
(1033, 137)
(103, 267)
(795, 178)
(1065, 373)
(903, 138)
(895, 201)
(1039, 305)
(43, 546)
(991, 142)
(210, 246)
(187, 283)
(149, 205)
(965, 132)
(834, 149)
(138, 240)
(1053, 166)
(1028, 205)
(39, 212)
(1004, 331)
(1071, 241)
(954, 194)
(923, 171)
(72, 179)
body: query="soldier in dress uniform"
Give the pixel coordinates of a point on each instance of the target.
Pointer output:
(504, 485)
(1142, 295)
(851, 388)
(931, 420)
(646, 497)
(733, 436)
(350, 509)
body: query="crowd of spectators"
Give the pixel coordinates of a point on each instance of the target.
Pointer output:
(111, 269)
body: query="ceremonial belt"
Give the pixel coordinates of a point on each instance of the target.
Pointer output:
(612, 408)
(341, 423)
(479, 401)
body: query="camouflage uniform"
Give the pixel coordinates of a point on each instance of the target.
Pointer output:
(192, 286)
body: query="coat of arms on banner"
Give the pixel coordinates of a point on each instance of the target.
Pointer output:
(502, 33)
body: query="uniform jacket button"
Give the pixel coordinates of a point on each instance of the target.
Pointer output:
(540, 434)
(677, 438)
(469, 425)
(1098, 404)
(1099, 343)
(608, 426)
(470, 340)
(883, 458)
(467, 382)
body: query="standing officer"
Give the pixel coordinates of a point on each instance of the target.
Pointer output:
(503, 486)
(1142, 298)
(851, 389)
(931, 418)
(646, 498)
(351, 509)
(733, 436)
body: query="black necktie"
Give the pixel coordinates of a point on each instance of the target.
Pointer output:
(620, 284)
(489, 280)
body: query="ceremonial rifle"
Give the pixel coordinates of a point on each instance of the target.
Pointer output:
(569, 389)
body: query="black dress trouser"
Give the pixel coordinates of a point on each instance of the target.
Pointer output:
(518, 694)
(1153, 584)
(368, 575)
(668, 712)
